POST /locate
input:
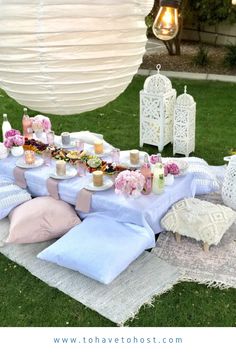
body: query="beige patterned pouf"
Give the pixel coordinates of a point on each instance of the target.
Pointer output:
(200, 220)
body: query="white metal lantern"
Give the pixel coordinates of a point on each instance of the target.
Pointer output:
(229, 184)
(157, 100)
(184, 124)
(65, 58)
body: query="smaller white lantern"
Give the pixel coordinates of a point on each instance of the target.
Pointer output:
(184, 124)
(157, 101)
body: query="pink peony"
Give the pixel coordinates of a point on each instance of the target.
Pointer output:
(40, 122)
(12, 132)
(46, 124)
(14, 138)
(171, 168)
(130, 183)
(154, 159)
(18, 140)
(37, 125)
(8, 143)
(166, 171)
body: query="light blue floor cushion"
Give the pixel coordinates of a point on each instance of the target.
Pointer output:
(100, 247)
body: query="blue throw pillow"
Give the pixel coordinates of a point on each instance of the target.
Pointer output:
(100, 247)
(10, 197)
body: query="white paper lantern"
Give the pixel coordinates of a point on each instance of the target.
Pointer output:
(70, 58)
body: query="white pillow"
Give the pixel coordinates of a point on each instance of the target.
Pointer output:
(100, 247)
(199, 219)
(11, 196)
(205, 179)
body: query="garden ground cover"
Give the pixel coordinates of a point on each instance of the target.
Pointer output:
(26, 301)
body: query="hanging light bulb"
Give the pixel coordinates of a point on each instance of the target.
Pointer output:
(166, 26)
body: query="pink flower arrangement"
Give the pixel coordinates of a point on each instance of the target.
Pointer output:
(130, 183)
(171, 168)
(13, 138)
(154, 159)
(41, 123)
(12, 132)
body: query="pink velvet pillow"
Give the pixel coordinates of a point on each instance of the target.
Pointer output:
(41, 219)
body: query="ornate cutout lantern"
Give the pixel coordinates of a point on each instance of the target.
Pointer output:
(184, 124)
(157, 100)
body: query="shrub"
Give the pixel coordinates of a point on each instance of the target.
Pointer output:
(201, 58)
(230, 56)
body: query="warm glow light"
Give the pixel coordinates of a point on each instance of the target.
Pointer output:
(165, 26)
(233, 2)
(167, 18)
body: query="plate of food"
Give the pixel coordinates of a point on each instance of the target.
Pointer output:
(106, 185)
(21, 163)
(70, 173)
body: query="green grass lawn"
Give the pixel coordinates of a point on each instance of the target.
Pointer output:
(26, 301)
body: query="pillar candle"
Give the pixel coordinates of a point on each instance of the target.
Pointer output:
(98, 147)
(61, 168)
(65, 138)
(29, 157)
(98, 178)
(134, 157)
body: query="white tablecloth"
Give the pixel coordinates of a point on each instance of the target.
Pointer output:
(144, 211)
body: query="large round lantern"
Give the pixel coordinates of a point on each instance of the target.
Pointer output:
(65, 58)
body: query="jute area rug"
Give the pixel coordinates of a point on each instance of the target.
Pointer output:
(216, 268)
(145, 278)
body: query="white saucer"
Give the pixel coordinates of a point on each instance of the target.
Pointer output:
(69, 146)
(125, 161)
(21, 163)
(107, 184)
(70, 173)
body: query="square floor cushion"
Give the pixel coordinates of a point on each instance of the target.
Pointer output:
(199, 219)
(100, 247)
(41, 219)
